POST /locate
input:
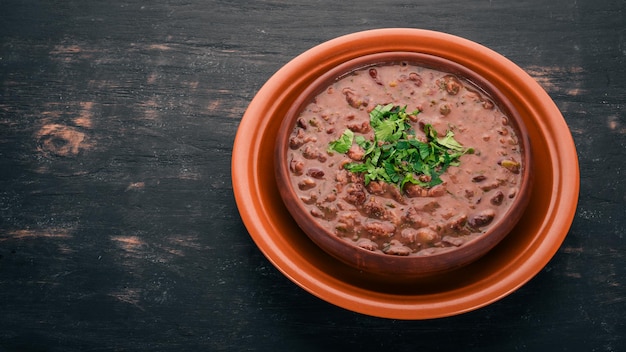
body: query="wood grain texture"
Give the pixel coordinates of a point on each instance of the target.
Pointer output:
(118, 228)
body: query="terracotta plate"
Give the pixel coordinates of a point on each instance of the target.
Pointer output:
(522, 254)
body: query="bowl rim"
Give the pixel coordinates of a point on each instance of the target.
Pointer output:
(402, 267)
(546, 222)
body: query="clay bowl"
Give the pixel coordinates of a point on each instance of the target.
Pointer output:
(377, 263)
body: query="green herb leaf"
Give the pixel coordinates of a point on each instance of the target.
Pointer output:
(343, 144)
(356, 167)
(379, 113)
(395, 155)
(385, 130)
(449, 142)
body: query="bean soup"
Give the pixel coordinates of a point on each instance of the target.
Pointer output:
(404, 159)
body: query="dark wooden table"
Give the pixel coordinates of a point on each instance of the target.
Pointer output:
(118, 226)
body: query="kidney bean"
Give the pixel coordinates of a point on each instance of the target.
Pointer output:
(296, 167)
(367, 244)
(395, 194)
(295, 142)
(315, 172)
(489, 186)
(306, 183)
(453, 241)
(301, 123)
(374, 74)
(374, 209)
(497, 198)
(328, 211)
(425, 178)
(437, 191)
(412, 191)
(352, 99)
(430, 206)
(330, 197)
(445, 109)
(409, 234)
(346, 222)
(451, 84)
(317, 213)
(457, 222)
(380, 228)
(414, 218)
(416, 78)
(396, 248)
(310, 199)
(309, 153)
(479, 178)
(355, 194)
(481, 219)
(313, 153)
(376, 187)
(342, 177)
(362, 127)
(427, 235)
(356, 153)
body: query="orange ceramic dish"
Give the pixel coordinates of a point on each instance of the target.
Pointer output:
(519, 257)
(376, 228)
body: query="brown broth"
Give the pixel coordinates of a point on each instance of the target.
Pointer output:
(379, 216)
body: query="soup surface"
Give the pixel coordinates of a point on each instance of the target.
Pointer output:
(463, 173)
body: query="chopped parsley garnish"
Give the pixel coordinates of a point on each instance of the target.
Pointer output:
(396, 156)
(343, 144)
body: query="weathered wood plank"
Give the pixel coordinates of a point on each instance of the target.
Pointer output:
(118, 227)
